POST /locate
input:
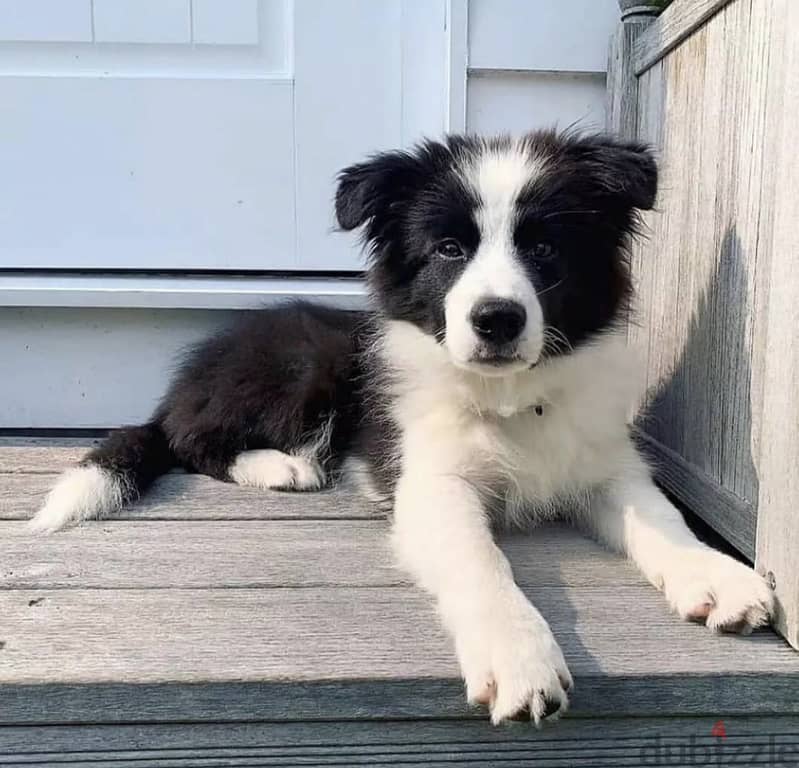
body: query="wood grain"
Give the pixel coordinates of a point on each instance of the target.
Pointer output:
(673, 26)
(301, 553)
(734, 518)
(178, 496)
(622, 84)
(214, 604)
(702, 269)
(778, 523)
(716, 281)
(573, 742)
(131, 655)
(42, 455)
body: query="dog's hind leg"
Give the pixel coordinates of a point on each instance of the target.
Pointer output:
(301, 469)
(267, 468)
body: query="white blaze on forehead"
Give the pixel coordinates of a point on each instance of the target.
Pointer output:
(497, 176)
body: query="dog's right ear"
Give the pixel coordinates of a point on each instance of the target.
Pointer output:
(373, 190)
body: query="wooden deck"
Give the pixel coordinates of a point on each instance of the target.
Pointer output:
(218, 626)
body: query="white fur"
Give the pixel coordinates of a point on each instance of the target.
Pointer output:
(633, 516)
(497, 177)
(267, 468)
(534, 460)
(465, 437)
(81, 493)
(356, 474)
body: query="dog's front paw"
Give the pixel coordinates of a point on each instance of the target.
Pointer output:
(714, 588)
(516, 667)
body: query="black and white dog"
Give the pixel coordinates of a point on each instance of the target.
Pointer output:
(491, 382)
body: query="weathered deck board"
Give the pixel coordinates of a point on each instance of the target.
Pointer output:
(391, 743)
(133, 655)
(209, 604)
(45, 455)
(138, 555)
(174, 497)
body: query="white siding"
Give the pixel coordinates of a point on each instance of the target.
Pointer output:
(85, 369)
(541, 35)
(519, 101)
(538, 63)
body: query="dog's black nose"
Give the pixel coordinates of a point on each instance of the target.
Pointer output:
(498, 321)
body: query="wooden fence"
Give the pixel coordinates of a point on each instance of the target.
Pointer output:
(713, 86)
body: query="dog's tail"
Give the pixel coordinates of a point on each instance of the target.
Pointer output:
(112, 475)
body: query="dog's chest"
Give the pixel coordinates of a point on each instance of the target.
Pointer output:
(560, 440)
(552, 450)
(535, 438)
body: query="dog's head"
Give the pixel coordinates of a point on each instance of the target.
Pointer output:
(505, 250)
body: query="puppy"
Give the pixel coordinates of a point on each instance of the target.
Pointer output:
(490, 383)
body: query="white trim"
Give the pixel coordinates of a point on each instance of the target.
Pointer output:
(457, 64)
(142, 74)
(173, 292)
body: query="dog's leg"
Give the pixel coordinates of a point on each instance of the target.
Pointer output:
(509, 658)
(277, 470)
(633, 516)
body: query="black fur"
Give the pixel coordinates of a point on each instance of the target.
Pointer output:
(136, 455)
(584, 205)
(279, 374)
(267, 382)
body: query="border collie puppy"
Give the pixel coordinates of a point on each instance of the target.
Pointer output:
(491, 383)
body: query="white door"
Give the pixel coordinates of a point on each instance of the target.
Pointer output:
(202, 134)
(184, 136)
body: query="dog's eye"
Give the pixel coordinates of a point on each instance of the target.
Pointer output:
(449, 249)
(543, 252)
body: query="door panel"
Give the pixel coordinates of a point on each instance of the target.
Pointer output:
(201, 134)
(142, 174)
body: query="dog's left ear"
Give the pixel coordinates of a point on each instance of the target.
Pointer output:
(369, 192)
(625, 169)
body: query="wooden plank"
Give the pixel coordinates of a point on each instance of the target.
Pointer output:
(673, 26)
(674, 295)
(178, 496)
(573, 742)
(285, 654)
(729, 515)
(202, 554)
(22, 495)
(42, 455)
(778, 524)
(658, 260)
(718, 252)
(650, 128)
(704, 272)
(622, 83)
